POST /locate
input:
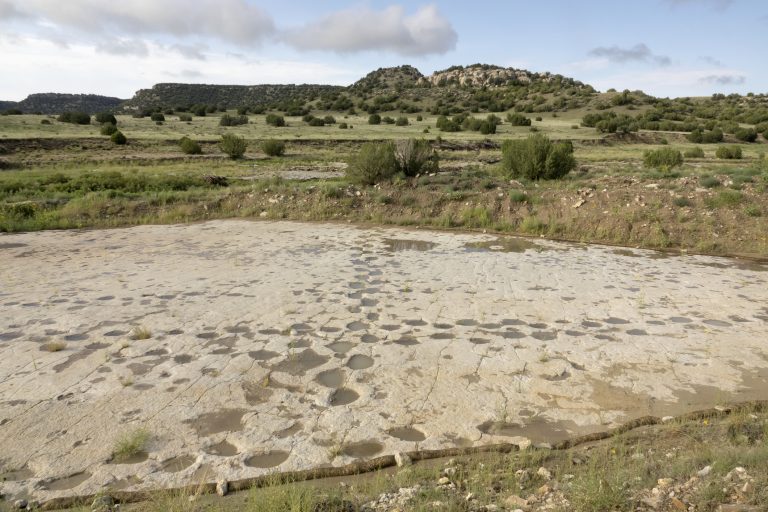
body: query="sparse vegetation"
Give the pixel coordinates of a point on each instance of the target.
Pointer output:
(729, 152)
(130, 444)
(273, 147)
(118, 138)
(663, 159)
(189, 146)
(233, 145)
(537, 158)
(140, 332)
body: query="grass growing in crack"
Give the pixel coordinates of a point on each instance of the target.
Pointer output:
(140, 333)
(126, 381)
(130, 444)
(54, 346)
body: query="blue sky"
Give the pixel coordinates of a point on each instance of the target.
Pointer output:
(664, 47)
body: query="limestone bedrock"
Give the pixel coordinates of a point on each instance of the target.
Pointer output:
(241, 348)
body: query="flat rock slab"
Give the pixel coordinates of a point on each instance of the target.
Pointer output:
(275, 346)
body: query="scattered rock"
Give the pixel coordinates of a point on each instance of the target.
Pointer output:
(544, 473)
(402, 459)
(222, 487)
(516, 502)
(704, 471)
(20, 504)
(102, 503)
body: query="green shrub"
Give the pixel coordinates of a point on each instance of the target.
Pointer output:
(709, 182)
(518, 120)
(415, 157)
(765, 134)
(682, 202)
(316, 121)
(45, 121)
(401, 121)
(663, 159)
(12, 112)
(157, 117)
(707, 137)
(696, 152)
(725, 198)
(273, 147)
(329, 119)
(233, 145)
(537, 158)
(74, 118)
(118, 138)
(108, 129)
(199, 110)
(374, 119)
(228, 120)
(518, 196)
(105, 117)
(419, 118)
(447, 125)
(728, 152)
(189, 146)
(388, 120)
(375, 162)
(275, 120)
(746, 134)
(343, 126)
(185, 118)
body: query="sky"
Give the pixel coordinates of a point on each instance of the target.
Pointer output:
(668, 48)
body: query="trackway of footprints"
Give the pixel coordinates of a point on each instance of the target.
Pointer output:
(273, 346)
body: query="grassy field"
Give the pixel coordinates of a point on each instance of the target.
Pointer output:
(61, 175)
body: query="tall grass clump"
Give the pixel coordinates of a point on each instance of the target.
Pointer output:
(375, 162)
(729, 153)
(233, 145)
(189, 146)
(537, 158)
(273, 147)
(663, 159)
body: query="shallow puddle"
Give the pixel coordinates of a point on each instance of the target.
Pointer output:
(178, 464)
(222, 449)
(70, 482)
(267, 460)
(397, 245)
(408, 434)
(363, 450)
(225, 420)
(343, 396)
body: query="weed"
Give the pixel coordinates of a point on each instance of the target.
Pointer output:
(54, 346)
(140, 333)
(130, 444)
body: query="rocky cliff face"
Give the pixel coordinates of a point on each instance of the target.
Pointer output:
(484, 75)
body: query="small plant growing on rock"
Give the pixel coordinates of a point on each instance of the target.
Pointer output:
(140, 333)
(54, 346)
(130, 444)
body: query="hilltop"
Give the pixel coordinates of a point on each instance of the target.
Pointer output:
(55, 103)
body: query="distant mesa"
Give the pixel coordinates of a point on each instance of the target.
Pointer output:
(386, 82)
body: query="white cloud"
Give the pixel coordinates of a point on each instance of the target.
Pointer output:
(233, 21)
(668, 82)
(719, 5)
(34, 70)
(123, 47)
(723, 79)
(638, 53)
(363, 29)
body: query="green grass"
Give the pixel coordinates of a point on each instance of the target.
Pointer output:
(130, 444)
